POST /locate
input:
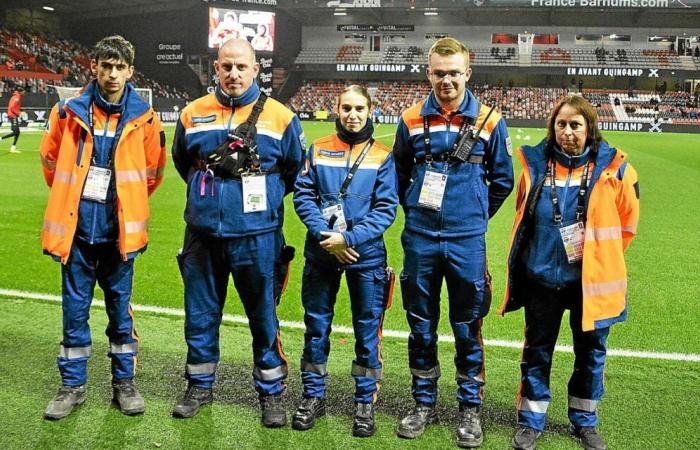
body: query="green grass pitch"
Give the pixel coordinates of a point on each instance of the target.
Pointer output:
(649, 403)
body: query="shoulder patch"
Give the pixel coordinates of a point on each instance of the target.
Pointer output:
(509, 146)
(332, 154)
(205, 119)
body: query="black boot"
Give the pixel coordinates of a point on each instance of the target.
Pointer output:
(273, 413)
(363, 423)
(190, 403)
(413, 425)
(310, 409)
(469, 433)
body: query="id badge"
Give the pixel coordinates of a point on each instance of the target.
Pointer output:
(254, 193)
(433, 190)
(334, 214)
(97, 184)
(573, 236)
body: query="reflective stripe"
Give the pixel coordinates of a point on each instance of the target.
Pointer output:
(55, 228)
(603, 234)
(428, 374)
(531, 405)
(201, 369)
(270, 374)
(132, 347)
(630, 229)
(131, 176)
(461, 377)
(361, 371)
(48, 163)
(582, 404)
(65, 177)
(155, 173)
(136, 226)
(74, 352)
(599, 289)
(315, 368)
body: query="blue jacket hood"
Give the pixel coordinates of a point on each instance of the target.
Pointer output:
(248, 96)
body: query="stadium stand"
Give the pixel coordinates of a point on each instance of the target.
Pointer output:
(36, 61)
(530, 103)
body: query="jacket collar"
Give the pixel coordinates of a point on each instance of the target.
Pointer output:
(247, 98)
(468, 108)
(571, 161)
(133, 105)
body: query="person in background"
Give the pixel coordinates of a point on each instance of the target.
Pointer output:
(14, 109)
(103, 155)
(577, 211)
(454, 167)
(239, 153)
(347, 199)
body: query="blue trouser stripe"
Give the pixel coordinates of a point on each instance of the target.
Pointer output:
(367, 289)
(87, 265)
(206, 264)
(544, 308)
(461, 262)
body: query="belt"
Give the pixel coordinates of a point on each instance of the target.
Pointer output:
(202, 165)
(444, 157)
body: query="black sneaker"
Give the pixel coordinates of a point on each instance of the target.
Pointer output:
(273, 413)
(193, 399)
(525, 438)
(590, 439)
(67, 398)
(363, 423)
(127, 397)
(469, 433)
(413, 425)
(310, 409)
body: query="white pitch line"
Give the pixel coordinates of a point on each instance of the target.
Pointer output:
(686, 357)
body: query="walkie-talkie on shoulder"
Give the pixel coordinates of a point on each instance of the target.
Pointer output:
(466, 143)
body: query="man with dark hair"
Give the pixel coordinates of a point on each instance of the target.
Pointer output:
(239, 153)
(103, 155)
(14, 108)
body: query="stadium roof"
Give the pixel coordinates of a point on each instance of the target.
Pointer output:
(677, 13)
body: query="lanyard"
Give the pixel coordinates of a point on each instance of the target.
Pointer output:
(358, 161)
(117, 134)
(426, 136)
(581, 193)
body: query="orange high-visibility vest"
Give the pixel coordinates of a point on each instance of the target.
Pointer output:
(611, 224)
(138, 167)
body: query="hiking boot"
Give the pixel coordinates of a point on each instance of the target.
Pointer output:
(127, 397)
(68, 397)
(310, 409)
(273, 413)
(363, 423)
(525, 438)
(590, 439)
(469, 433)
(413, 425)
(194, 398)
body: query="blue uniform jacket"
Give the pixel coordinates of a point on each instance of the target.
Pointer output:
(216, 207)
(369, 204)
(474, 192)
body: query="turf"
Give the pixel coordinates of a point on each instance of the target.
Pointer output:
(29, 379)
(649, 404)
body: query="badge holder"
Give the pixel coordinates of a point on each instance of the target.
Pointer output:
(97, 184)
